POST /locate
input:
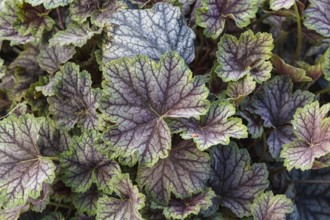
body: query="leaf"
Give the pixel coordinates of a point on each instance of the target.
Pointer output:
(316, 17)
(312, 71)
(22, 169)
(255, 126)
(84, 165)
(312, 129)
(276, 105)
(3, 69)
(87, 202)
(296, 74)
(150, 32)
(213, 14)
(100, 11)
(270, 207)
(13, 213)
(126, 207)
(154, 91)
(234, 180)
(75, 34)
(182, 208)
(238, 89)
(49, 4)
(184, 172)
(74, 102)
(51, 58)
(216, 127)
(280, 4)
(53, 216)
(326, 65)
(39, 204)
(246, 55)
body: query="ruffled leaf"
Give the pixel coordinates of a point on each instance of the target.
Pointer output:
(87, 202)
(154, 91)
(312, 129)
(49, 4)
(150, 32)
(246, 55)
(214, 13)
(280, 4)
(22, 169)
(241, 88)
(216, 127)
(316, 17)
(183, 173)
(234, 180)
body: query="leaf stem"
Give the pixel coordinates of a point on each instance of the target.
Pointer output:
(299, 43)
(60, 19)
(60, 205)
(326, 90)
(53, 158)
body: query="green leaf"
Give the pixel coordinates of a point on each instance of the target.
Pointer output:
(151, 32)
(214, 13)
(49, 4)
(84, 165)
(139, 93)
(126, 207)
(75, 34)
(326, 65)
(216, 127)
(74, 101)
(239, 89)
(270, 207)
(13, 213)
(87, 201)
(3, 69)
(280, 4)
(184, 172)
(316, 17)
(312, 129)
(182, 208)
(246, 55)
(22, 168)
(234, 180)
(53, 216)
(51, 58)
(40, 203)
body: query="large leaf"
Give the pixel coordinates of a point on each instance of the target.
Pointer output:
(139, 93)
(214, 13)
(183, 173)
(280, 4)
(216, 127)
(316, 16)
(276, 105)
(150, 32)
(49, 4)
(270, 207)
(74, 101)
(126, 207)
(234, 180)
(312, 129)
(246, 55)
(84, 165)
(22, 169)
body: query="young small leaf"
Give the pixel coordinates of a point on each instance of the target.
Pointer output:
(312, 129)
(216, 127)
(241, 88)
(234, 180)
(214, 13)
(139, 93)
(316, 17)
(150, 32)
(246, 55)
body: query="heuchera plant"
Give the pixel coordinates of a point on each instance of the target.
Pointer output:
(165, 109)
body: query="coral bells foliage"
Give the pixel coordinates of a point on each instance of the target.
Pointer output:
(167, 109)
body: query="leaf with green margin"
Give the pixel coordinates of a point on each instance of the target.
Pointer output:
(276, 105)
(51, 58)
(126, 207)
(216, 127)
(213, 14)
(49, 4)
(234, 180)
(246, 55)
(3, 69)
(75, 34)
(326, 65)
(87, 201)
(22, 169)
(184, 172)
(13, 213)
(312, 71)
(100, 11)
(296, 74)
(32, 20)
(139, 93)
(239, 89)
(182, 208)
(316, 16)
(74, 101)
(151, 32)
(270, 207)
(312, 129)
(280, 4)
(39, 204)
(84, 165)
(8, 16)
